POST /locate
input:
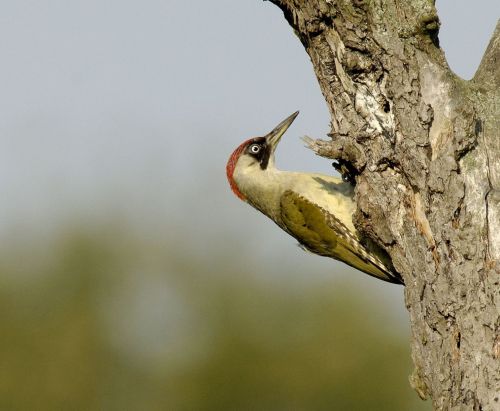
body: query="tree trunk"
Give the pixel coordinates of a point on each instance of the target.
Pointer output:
(423, 147)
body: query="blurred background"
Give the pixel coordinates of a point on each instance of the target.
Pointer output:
(130, 276)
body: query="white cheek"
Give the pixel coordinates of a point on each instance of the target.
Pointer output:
(246, 171)
(246, 164)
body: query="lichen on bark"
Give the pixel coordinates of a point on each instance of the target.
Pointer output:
(422, 146)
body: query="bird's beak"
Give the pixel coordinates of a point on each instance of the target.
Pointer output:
(274, 136)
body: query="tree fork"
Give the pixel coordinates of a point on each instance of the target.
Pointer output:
(424, 148)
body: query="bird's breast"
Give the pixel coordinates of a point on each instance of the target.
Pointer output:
(264, 189)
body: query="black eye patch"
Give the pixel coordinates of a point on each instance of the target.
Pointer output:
(260, 150)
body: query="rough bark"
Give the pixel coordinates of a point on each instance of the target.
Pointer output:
(423, 147)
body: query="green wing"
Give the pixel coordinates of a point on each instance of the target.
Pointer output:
(322, 233)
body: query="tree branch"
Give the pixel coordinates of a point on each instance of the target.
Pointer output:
(488, 73)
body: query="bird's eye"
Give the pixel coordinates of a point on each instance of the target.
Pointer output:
(254, 148)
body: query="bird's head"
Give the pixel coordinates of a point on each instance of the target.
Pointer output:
(255, 156)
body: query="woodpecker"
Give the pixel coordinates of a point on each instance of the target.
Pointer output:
(316, 209)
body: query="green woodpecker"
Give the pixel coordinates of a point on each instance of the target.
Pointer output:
(316, 209)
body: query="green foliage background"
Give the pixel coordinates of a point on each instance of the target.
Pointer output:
(102, 319)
